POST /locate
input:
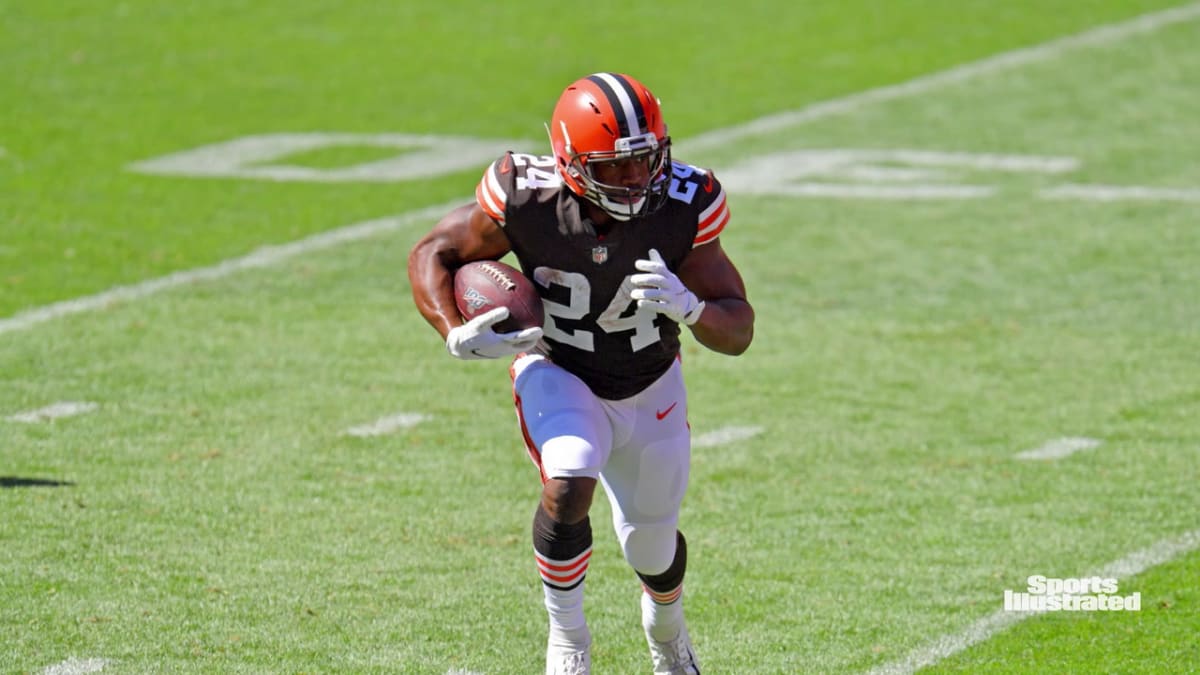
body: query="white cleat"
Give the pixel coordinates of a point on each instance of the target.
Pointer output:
(674, 657)
(563, 661)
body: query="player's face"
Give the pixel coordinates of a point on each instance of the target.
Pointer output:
(633, 173)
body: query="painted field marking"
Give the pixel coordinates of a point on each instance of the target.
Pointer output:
(1094, 37)
(271, 255)
(1131, 565)
(725, 435)
(262, 257)
(895, 173)
(75, 666)
(54, 411)
(253, 157)
(1116, 193)
(386, 425)
(1058, 448)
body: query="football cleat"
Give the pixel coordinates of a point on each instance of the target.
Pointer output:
(563, 661)
(674, 657)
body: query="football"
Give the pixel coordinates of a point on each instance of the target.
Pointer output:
(484, 285)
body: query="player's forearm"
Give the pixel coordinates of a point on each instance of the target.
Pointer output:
(432, 288)
(726, 326)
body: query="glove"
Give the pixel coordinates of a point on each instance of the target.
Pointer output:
(663, 292)
(476, 338)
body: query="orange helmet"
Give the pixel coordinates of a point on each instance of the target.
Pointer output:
(607, 117)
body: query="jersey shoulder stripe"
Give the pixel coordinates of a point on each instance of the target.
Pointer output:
(489, 193)
(712, 219)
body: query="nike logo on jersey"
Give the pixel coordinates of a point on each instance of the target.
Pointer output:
(506, 164)
(708, 186)
(660, 414)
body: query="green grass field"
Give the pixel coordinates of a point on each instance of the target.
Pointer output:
(949, 267)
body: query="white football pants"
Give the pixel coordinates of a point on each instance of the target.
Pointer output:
(639, 448)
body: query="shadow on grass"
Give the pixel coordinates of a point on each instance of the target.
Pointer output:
(17, 481)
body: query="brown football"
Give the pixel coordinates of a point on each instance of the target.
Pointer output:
(484, 285)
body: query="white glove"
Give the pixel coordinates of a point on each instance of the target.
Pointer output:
(476, 338)
(663, 292)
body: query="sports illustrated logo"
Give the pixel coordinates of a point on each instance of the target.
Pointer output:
(474, 299)
(1071, 595)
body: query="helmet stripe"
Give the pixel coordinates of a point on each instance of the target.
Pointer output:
(631, 116)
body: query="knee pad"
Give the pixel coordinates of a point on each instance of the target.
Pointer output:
(649, 549)
(571, 455)
(671, 580)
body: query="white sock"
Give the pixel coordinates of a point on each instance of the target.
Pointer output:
(568, 628)
(662, 622)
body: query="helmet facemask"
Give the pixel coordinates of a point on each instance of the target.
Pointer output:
(619, 201)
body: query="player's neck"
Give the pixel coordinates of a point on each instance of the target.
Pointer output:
(601, 221)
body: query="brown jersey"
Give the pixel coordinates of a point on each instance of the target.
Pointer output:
(593, 327)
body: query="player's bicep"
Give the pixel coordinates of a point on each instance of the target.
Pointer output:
(466, 233)
(709, 273)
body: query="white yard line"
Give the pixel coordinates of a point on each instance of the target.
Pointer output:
(75, 666)
(1120, 193)
(725, 435)
(271, 255)
(262, 257)
(948, 645)
(1058, 448)
(54, 411)
(1095, 37)
(386, 425)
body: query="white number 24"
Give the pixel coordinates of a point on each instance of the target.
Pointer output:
(641, 322)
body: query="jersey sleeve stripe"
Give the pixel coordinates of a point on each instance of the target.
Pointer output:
(712, 231)
(710, 213)
(485, 203)
(490, 195)
(712, 221)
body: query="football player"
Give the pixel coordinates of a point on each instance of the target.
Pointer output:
(623, 244)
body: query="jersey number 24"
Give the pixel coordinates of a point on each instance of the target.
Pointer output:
(641, 322)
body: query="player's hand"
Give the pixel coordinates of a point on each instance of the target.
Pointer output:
(476, 338)
(660, 290)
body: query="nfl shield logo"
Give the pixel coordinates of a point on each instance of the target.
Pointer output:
(599, 254)
(474, 299)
